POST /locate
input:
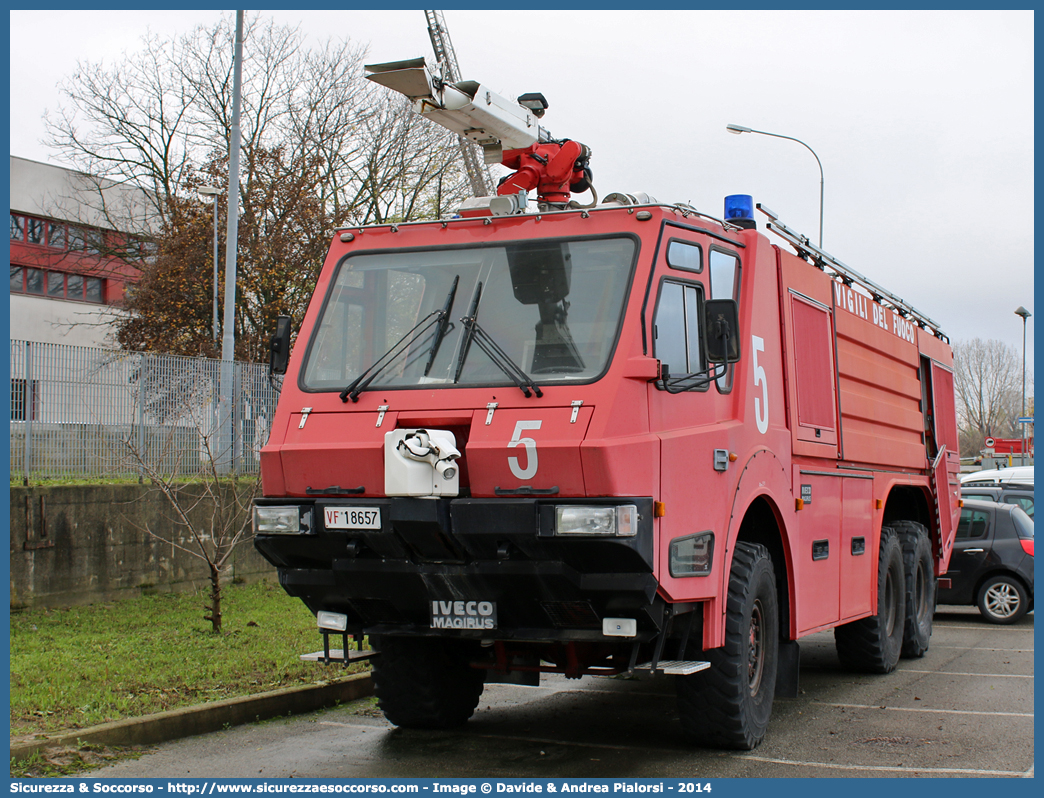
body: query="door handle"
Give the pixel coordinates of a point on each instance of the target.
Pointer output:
(973, 551)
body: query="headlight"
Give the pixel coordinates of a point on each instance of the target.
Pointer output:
(620, 521)
(692, 555)
(277, 520)
(333, 621)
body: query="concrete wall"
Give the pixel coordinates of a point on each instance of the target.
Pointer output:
(55, 192)
(84, 544)
(57, 321)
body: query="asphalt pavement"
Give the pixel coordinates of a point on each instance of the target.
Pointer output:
(964, 710)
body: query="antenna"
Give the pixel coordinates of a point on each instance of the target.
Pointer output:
(445, 55)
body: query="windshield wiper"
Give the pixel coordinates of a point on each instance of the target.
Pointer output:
(468, 332)
(474, 332)
(360, 383)
(444, 325)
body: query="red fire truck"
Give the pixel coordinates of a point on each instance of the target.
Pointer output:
(595, 440)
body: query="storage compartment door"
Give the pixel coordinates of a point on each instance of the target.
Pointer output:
(814, 375)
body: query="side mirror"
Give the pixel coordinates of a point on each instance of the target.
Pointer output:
(721, 330)
(279, 346)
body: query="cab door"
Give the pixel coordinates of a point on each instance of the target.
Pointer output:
(691, 409)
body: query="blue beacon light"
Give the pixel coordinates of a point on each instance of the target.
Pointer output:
(739, 210)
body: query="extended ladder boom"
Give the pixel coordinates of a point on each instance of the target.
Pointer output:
(444, 54)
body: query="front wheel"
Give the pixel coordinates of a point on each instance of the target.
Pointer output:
(1002, 600)
(729, 704)
(426, 683)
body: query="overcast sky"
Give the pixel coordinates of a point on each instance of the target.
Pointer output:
(923, 121)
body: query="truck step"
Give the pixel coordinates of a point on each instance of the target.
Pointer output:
(674, 667)
(337, 655)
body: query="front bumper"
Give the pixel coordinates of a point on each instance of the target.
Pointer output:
(545, 587)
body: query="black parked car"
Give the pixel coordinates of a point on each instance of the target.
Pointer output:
(992, 561)
(1017, 493)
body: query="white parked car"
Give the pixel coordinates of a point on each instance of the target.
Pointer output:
(1001, 476)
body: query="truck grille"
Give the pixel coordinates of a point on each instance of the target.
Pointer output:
(377, 611)
(572, 614)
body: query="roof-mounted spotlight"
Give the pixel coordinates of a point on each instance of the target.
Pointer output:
(534, 101)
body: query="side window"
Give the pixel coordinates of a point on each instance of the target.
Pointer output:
(34, 281)
(34, 230)
(974, 524)
(1023, 524)
(677, 341)
(724, 274)
(686, 256)
(56, 235)
(724, 284)
(1025, 502)
(979, 496)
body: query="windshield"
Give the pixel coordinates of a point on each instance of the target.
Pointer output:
(554, 307)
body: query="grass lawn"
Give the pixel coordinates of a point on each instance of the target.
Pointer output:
(81, 666)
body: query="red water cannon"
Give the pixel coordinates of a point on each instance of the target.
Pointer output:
(552, 168)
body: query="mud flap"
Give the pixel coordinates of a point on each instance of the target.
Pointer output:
(788, 668)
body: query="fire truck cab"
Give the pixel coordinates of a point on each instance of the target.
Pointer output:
(598, 440)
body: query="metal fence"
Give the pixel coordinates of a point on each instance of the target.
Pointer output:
(80, 411)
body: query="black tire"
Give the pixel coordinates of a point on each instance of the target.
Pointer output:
(873, 644)
(426, 683)
(729, 704)
(1003, 599)
(920, 587)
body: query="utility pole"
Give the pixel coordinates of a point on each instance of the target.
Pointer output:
(226, 436)
(1025, 314)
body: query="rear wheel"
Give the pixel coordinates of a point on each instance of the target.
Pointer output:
(920, 587)
(1003, 599)
(873, 644)
(426, 683)
(729, 704)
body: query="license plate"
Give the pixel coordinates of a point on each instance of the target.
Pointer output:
(352, 517)
(463, 615)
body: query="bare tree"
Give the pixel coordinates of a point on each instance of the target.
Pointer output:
(988, 385)
(411, 169)
(322, 148)
(178, 458)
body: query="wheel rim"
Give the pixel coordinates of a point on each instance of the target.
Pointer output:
(756, 648)
(891, 602)
(1002, 600)
(921, 592)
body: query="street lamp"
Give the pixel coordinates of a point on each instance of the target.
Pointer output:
(1021, 311)
(212, 191)
(737, 129)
